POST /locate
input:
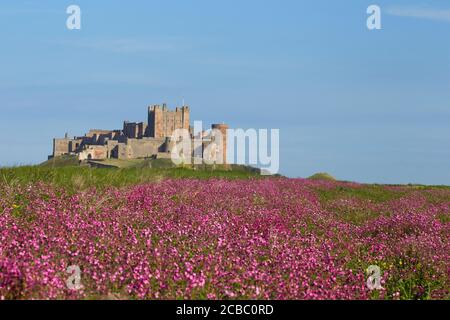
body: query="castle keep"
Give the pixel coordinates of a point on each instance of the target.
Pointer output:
(151, 139)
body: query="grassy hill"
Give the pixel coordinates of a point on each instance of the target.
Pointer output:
(67, 172)
(59, 162)
(322, 176)
(134, 163)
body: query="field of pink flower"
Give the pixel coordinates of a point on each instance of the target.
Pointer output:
(273, 238)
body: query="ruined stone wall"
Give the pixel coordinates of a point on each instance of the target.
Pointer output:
(134, 130)
(112, 149)
(142, 129)
(97, 132)
(123, 151)
(93, 153)
(75, 145)
(66, 146)
(130, 129)
(99, 137)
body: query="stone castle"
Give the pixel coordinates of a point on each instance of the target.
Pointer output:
(138, 140)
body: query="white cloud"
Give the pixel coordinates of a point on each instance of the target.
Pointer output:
(420, 13)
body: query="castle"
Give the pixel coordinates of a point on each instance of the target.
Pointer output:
(136, 140)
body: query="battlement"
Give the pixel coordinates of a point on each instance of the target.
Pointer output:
(220, 126)
(164, 108)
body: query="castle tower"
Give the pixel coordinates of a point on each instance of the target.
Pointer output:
(223, 129)
(162, 121)
(185, 117)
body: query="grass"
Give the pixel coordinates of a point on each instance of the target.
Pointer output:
(75, 178)
(59, 162)
(366, 193)
(375, 196)
(134, 163)
(67, 172)
(372, 192)
(322, 176)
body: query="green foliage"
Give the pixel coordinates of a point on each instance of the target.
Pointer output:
(62, 161)
(322, 176)
(372, 192)
(75, 178)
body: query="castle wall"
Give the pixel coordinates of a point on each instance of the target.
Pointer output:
(99, 137)
(223, 129)
(123, 151)
(145, 148)
(66, 146)
(93, 153)
(142, 129)
(75, 145)
(134, 130)
(60, 147)
(112, 149)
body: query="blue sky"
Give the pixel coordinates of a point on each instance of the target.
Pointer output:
(368, 106)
